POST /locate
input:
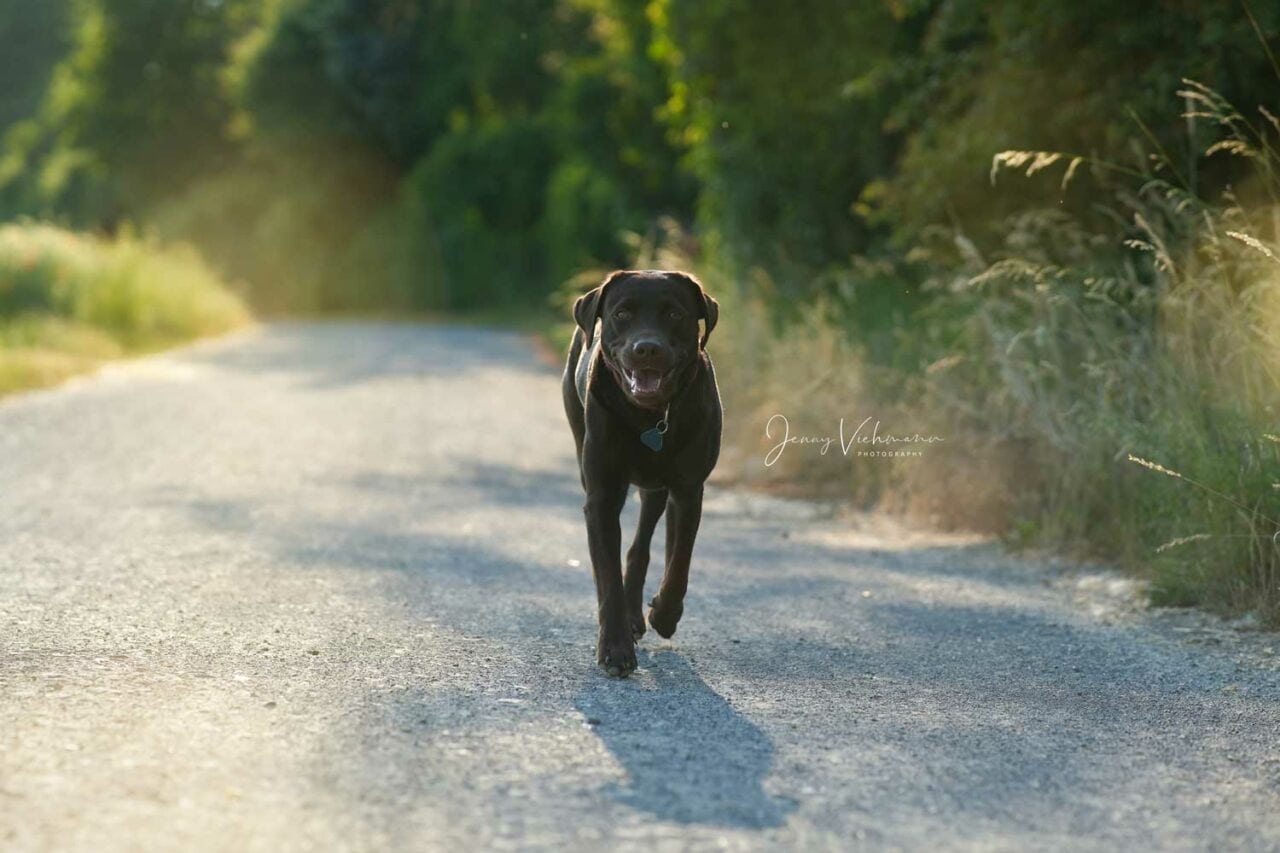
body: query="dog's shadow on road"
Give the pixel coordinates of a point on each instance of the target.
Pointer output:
(689, 757)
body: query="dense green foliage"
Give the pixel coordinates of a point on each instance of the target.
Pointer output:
(439, 153)
(33, 36)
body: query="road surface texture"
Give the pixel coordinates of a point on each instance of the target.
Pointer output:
(325, 587)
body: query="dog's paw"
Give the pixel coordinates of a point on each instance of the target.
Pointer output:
(636, 620)
(664, 617)
(616, 657)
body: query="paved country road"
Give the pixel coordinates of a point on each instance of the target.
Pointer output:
(324, 587)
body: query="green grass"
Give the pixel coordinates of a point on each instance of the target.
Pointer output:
(69, 302)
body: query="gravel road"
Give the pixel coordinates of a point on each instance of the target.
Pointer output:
(324, 587)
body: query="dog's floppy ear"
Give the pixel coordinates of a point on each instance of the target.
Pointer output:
(586, 310)
(709, 310)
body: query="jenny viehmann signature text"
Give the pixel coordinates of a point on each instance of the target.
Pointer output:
(866, 434)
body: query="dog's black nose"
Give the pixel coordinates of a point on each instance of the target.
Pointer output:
(646, 349)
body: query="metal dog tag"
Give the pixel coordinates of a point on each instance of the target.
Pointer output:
(652, 439)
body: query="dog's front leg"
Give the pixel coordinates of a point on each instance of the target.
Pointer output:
(684, 513)
(615, 648)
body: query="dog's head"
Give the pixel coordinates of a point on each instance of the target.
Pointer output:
(649, 329)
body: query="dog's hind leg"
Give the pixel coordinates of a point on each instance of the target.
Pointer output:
(652, 504)
(682, 529)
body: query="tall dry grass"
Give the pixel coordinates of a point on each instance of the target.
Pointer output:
(1168, 353)
(1051, 363)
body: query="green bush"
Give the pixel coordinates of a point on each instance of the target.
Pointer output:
(484, 188)
(69, 300)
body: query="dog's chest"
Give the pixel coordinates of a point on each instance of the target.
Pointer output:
(680, 461)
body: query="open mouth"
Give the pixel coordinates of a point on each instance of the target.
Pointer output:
(644, 382)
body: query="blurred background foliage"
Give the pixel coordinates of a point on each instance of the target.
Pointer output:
(340, 154)
(1107, 286)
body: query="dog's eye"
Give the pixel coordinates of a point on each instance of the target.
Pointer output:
(676, 315)
(622, 314)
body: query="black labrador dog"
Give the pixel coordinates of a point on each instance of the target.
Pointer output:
(642, 401)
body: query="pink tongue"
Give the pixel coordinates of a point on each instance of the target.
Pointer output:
(646, 381)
